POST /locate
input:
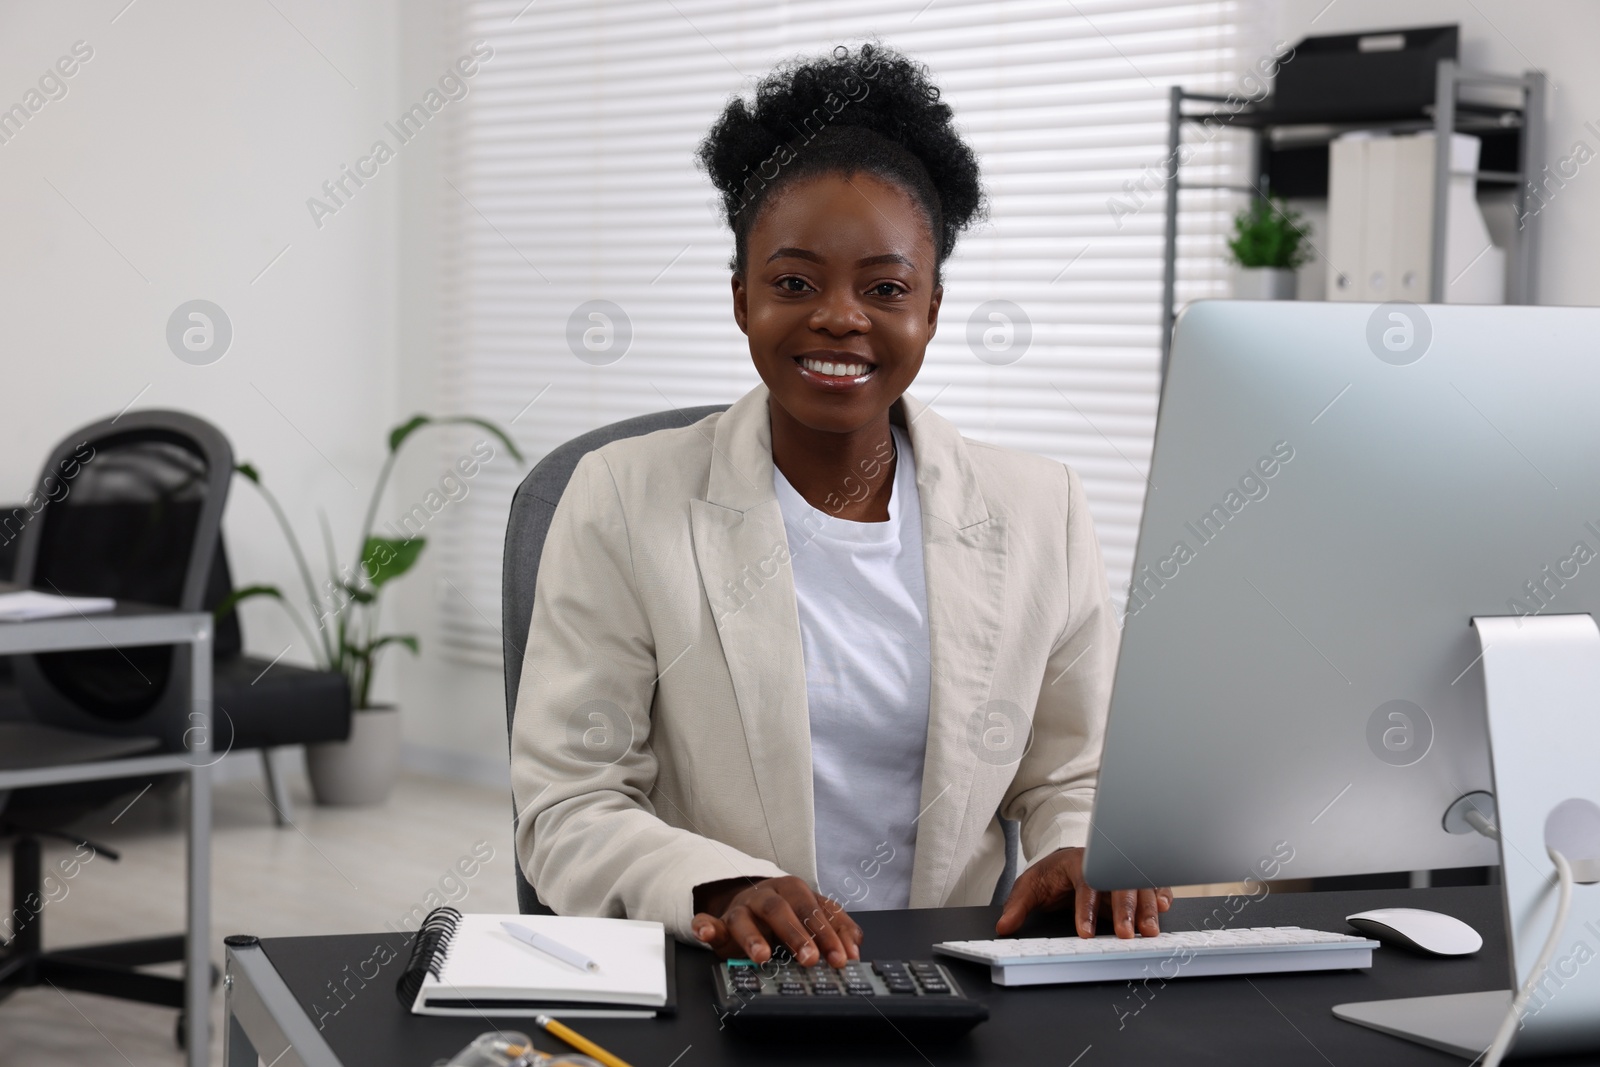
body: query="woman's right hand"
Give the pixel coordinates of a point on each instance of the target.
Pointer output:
(740, 918)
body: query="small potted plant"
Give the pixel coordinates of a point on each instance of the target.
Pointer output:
(343, 628)
(1269, 242)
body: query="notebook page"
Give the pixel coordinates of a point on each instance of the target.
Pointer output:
(486, 961)
(25, 604)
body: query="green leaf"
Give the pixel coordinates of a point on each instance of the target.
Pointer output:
(409, 640)
(385, 558)
(489, 427)
(249, 471)
(398, 435)
(239, 596)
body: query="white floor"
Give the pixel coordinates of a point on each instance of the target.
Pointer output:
(337, 870)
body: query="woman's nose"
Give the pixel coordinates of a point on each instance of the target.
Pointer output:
(839, 313)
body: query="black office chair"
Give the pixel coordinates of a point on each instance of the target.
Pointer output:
(134, 511)
(260, 704)
(264, 705)
(532, 508)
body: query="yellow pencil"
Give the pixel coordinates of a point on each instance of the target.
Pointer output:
(578, 1041)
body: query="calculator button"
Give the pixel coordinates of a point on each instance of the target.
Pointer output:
(791, 989)
(860, 991)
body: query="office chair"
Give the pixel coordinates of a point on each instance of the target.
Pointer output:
(532, 508)
(135, 505)
(264, 704)
(261, 704)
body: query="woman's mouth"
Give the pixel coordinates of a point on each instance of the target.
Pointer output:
(840, 372)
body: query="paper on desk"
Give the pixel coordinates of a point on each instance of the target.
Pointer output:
(26, 604)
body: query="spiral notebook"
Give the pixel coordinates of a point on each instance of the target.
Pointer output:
(469, 965)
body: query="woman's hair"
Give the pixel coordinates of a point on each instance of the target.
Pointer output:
(871, 111)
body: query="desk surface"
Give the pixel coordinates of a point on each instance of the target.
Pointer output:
(1276, 1019)
(128, 623)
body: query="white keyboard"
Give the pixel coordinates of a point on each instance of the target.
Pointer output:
(1180, 954)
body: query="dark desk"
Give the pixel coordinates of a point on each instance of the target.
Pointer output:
(1238, 1021)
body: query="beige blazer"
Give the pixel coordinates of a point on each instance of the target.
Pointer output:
(662, 737)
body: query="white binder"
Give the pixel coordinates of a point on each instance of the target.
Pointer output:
(1380, 222)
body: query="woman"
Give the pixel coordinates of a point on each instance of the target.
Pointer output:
(797, 656)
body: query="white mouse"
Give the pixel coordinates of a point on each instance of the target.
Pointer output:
(1425, 931)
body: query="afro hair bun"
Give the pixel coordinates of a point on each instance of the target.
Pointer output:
(871, 110)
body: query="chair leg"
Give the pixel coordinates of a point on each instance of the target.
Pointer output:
(140, 953)
(89, 976)
(282, 813)
(26, 939)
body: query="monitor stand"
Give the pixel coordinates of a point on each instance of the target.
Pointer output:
(1541, 679)
(1463, 1023)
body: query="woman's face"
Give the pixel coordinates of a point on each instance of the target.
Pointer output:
(838, 299)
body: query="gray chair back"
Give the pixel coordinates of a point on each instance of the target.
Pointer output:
(128, 507)
(532, 508)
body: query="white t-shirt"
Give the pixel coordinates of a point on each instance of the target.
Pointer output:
(863, 610)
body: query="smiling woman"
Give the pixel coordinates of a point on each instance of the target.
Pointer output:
(928, 643)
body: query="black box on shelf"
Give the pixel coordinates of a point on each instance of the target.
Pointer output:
(1362, 77)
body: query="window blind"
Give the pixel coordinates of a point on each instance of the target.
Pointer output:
(570, 178)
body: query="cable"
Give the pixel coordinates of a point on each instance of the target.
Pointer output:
(1502, 1040)
(1480, 823)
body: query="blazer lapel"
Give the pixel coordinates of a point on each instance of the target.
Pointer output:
(742, 554)
(964, 559)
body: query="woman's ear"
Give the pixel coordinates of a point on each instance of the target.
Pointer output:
(933, 310)
(741, 305)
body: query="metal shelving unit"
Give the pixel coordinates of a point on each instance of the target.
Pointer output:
(1449, 114)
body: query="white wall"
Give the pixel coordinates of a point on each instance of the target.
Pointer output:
(454, 712)
(1510, 36)
(187, 146)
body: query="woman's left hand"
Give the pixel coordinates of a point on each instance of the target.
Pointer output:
(1057, 882)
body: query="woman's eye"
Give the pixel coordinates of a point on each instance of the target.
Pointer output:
(887, 289)
(799, 284)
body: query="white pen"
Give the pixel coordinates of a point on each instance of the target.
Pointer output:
(551, 947)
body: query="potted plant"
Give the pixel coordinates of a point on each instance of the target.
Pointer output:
(1269, 242)
(343, 630)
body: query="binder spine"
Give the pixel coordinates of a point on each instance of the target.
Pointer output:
(428, 951)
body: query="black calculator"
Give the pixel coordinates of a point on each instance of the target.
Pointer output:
(922, 993)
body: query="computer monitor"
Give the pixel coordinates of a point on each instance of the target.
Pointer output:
(1336, 490)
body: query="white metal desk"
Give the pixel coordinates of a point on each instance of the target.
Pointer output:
(131, 625)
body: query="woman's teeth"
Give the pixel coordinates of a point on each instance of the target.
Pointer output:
(837, 370)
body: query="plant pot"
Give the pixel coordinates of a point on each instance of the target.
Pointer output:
(362, 769)
(1264, 283)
